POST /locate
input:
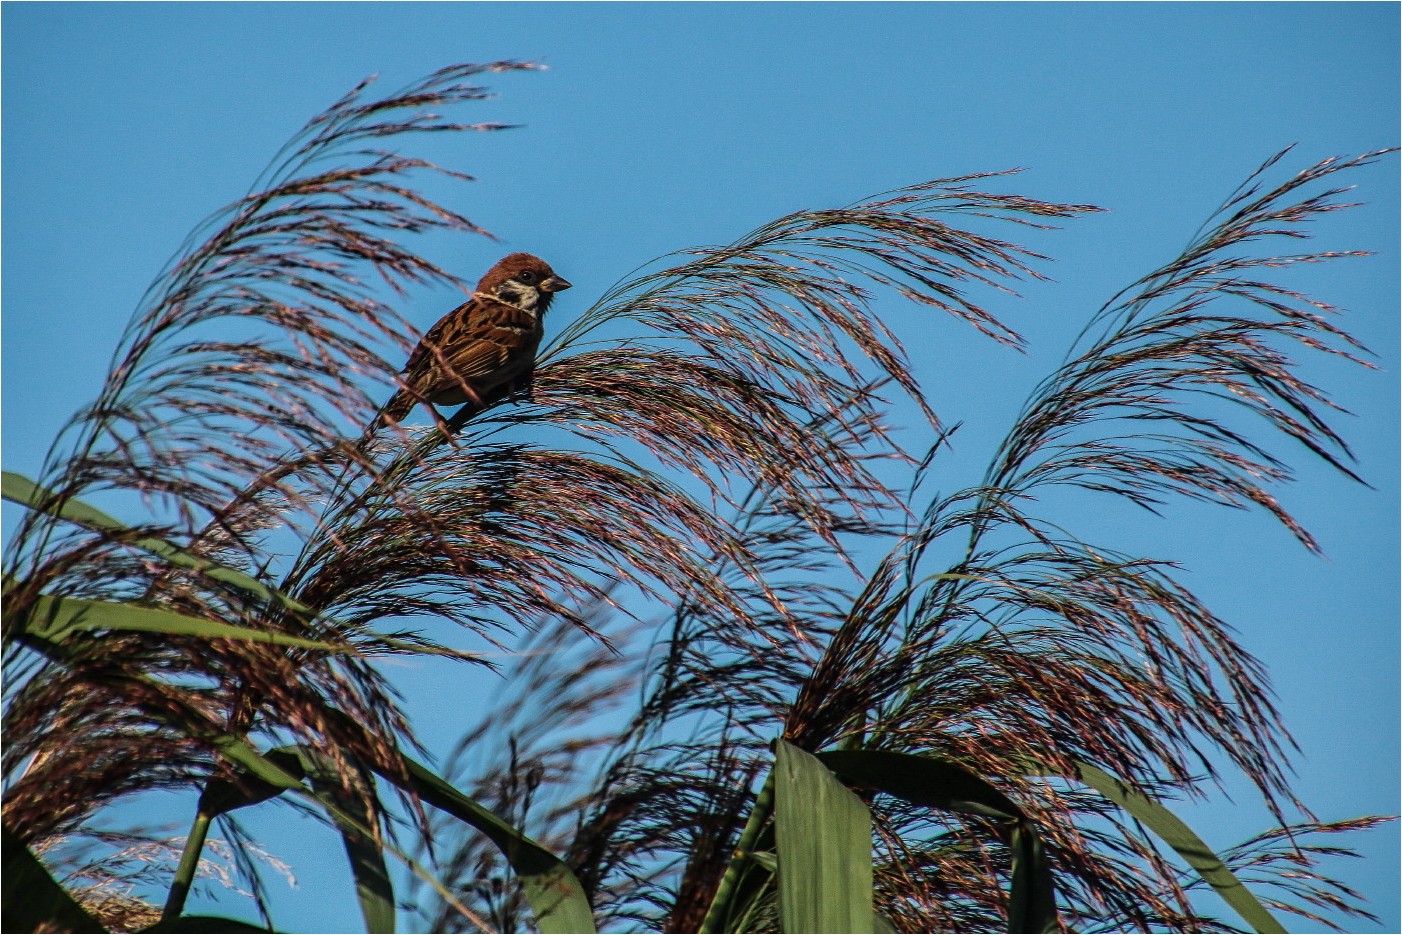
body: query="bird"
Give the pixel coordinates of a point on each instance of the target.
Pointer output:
(487, 343)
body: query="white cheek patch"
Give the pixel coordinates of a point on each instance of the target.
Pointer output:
(524, 297)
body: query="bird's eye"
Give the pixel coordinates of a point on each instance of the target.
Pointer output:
(526, 277)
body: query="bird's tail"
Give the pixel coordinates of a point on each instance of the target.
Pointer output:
(392, 412)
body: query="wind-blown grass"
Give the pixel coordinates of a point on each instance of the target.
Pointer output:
(691, 538)
(991, 638)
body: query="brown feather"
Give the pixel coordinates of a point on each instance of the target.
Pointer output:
(482, 345)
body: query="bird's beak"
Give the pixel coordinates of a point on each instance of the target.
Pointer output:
(555, 284)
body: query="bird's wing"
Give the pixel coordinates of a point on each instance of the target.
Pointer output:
(423, 354)
(480, 358)
(475, 363)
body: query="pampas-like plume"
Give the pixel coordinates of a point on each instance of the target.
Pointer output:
(986, 636)
(226, 411)
(292, 277)
(724, 456)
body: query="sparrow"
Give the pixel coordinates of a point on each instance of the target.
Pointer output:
(483, 345)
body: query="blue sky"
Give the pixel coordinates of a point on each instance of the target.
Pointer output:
(659, 126)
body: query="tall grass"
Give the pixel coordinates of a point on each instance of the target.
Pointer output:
(731, 470)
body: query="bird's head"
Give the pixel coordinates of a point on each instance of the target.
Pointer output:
(524, 281)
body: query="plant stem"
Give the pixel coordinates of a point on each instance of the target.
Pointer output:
(185, 873)
(717, 915)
